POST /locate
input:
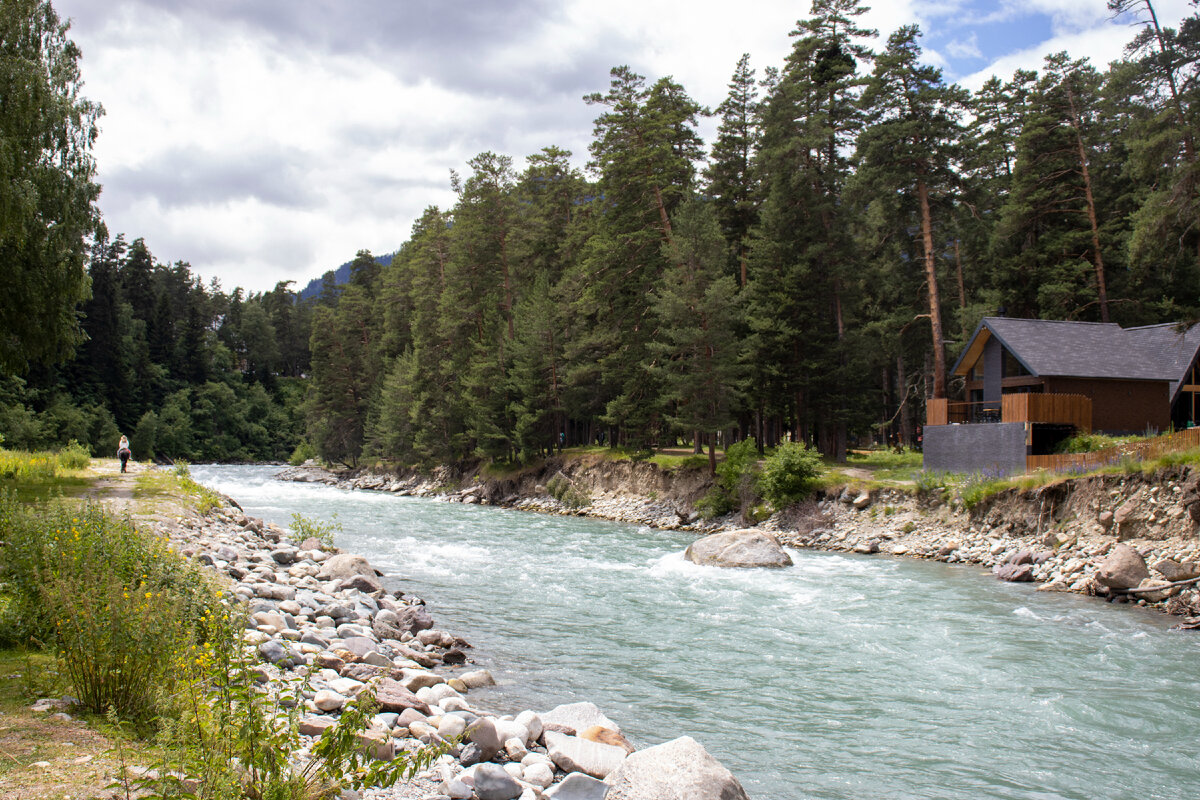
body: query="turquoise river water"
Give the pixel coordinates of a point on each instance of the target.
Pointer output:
(841, 677)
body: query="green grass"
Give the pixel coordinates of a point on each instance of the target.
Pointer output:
(25, 676)
(1090, 442)
(672, 461)
(887, 465)
(666, 461)
(159, 485)
(44, 475)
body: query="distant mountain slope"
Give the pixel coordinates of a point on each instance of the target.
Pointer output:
(340, 275)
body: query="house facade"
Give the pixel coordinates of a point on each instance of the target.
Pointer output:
(1044, 380)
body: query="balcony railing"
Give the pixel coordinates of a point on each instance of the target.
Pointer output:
(1061, 409)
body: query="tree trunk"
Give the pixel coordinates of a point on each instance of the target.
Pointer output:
(935, 313)
(712, 453)
(902, 390)
(1097, 259)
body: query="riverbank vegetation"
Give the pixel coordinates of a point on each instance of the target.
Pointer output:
(149, 646)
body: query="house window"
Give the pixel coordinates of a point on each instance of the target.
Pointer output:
(1012, 367)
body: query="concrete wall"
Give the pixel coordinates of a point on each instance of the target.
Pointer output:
(997, 448)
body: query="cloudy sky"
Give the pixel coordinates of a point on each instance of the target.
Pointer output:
(270, 140)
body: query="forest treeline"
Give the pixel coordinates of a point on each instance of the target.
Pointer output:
(186, 370)
(807, 278)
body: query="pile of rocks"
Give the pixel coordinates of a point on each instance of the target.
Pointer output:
(1063, 557)
(328, 617)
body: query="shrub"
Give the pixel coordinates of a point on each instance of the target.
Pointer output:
(74, 456)
(303, 452)
(562, 489)
(324, 532)
(115, 603)
(979, 486)
(205, 499)
(788, 474)
(734, 486)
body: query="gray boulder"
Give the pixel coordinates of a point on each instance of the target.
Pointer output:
(493, 783)
(1015, 573)
(412, 619)
(578, 786)
(677, 770)
(1174, 571)
(744, 548)
(362, 583)
(273, 651)
(483, 734)
(345, 565)
(1123, 569)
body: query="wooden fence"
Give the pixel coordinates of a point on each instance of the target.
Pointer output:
(1063, 409)
(1139, 451)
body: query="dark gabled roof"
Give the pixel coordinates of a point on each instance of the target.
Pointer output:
(1170, 347)
(1091, 349)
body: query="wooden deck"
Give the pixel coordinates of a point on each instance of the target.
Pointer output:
(1059, 409)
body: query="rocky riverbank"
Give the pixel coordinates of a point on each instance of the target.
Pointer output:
(335, 618)
(1061, 536)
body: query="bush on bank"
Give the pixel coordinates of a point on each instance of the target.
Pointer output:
(786, 475)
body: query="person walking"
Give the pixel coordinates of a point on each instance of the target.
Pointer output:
(123, 452)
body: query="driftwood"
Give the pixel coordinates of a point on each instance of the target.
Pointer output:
(1158, 588)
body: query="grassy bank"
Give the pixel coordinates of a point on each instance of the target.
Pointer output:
(149, 646)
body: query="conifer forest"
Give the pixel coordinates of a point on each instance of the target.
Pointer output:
(809, 274)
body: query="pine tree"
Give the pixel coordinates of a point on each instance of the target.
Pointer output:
(802, 257)
(697, 353)
(910, 147)
(730, 181)
(1050, 234)
(644, 150)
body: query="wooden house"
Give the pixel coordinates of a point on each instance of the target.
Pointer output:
(1051, 378)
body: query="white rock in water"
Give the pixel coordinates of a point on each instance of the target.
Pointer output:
(744, 548)
(477, 679)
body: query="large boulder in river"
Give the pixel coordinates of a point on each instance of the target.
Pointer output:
(677, 770)
(345, 565)
(744, 548)
(1123, 569)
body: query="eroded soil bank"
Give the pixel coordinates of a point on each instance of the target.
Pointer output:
(1059, 535)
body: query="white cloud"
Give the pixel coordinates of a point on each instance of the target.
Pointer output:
(272, 140)
(965, 49)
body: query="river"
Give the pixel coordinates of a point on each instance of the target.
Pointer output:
(841, 677)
